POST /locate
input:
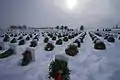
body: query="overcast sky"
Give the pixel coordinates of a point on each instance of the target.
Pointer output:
(40, 13)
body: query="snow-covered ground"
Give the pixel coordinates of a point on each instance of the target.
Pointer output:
(89, 64)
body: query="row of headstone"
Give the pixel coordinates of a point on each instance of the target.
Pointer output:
(98, 44)
(28, 54)
(58, 68)
(80, 39)
(64, 37)
(50, 46)
(59, 34)
(107, 37)
(20, 38)
(17, 34)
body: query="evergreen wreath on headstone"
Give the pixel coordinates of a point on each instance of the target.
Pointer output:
(58, 70)
(59, 35)
(49, 47)
(54, 38)
(7, 53)
(11, 35)
(21, 37)
(99, 45)
(110, 39)
(65, 39)
(15, 35)
(70, 37)
(46, 40)
(6, 38)
(33, 43)
(50, 35)
(30, 35)
(14, 40)
(21, 42)
(27, 58)
(71, 50)
(27, 38)
(59, 42)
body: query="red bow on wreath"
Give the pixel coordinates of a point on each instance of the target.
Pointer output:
(58, 77)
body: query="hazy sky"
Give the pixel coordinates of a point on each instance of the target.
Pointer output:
(40, 13)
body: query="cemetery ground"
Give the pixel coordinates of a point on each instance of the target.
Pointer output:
(88, 55)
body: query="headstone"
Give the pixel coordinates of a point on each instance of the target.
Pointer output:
(13, 47)
(2, 45)
(62, 57)
(99, 45)
(78, 44)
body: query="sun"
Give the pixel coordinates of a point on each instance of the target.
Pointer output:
(71, 3)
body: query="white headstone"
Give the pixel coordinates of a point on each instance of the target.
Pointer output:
(2, 45)
(51, 42)
(116, 35)
(62, 57)
(6, 45)
(13, 46)
(35, 40)
(75, 44)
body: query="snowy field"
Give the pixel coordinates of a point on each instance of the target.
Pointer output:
(88, 64)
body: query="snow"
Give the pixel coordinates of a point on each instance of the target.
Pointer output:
(89, 64)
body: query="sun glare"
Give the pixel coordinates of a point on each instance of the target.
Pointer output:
(71, 3)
